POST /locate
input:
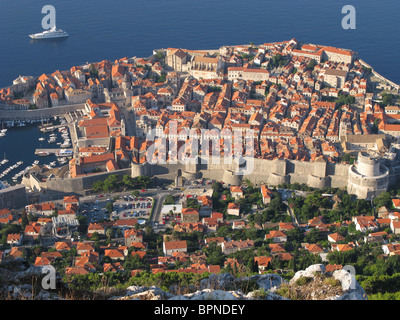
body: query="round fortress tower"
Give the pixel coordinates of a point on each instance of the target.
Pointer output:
(367, 165)
(367, 178)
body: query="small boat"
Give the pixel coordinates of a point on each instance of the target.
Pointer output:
(43, 154)
(62, 160)
(42, 139)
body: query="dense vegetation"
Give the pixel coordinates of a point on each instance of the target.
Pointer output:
(114, 183)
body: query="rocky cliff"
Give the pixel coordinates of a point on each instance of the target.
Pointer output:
(19, 280)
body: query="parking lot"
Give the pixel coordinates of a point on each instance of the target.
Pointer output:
(132, 207)
(95, 212)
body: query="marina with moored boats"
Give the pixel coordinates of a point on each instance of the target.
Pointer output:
(49, 142)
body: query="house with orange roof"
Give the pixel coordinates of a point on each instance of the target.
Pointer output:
(83, 247)
(132, 236)
(88, 259)
(218, 240)
(276, 236)
(4, 213)
(314, 248)
(114, 254)
(76, 270)
(87, 165)
(395, 226)
(286, 226)
(335, 237)
(236, 192)
(51, 255)
(233, 209)
(96, 227)
(238, 225)
(6, 220)
(139, 253)
(72, 200)
(138, 245)
(205, 203)
(391, 249)
(190, 215)
(343, 247)
(40, 261)
(276, 247)
(263, 263)
(46, 208)
(236, 245)
(266, 194)
(169, 247)
(113, 267)
(365, 223)
(62, 246)
(396, 203)
(14, 239)
(376, 237)
(32, 231)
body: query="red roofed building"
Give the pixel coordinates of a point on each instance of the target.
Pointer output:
(263, 263)
(169, 247)
(189, 215)
(276, 236)
(14, 239)
(395, 226)
(266, 194)
(114, 254)
(335, 237)
(236, 192)
(233, 209)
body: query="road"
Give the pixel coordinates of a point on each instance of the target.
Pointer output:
(291, 213)
(158, 203)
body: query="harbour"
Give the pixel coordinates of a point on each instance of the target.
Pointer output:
(24, 145)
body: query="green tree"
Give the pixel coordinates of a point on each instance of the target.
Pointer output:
(109, 207)
(110, 233)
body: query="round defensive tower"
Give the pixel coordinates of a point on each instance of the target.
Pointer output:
(368, 165)
(231, 178)
(368, 177)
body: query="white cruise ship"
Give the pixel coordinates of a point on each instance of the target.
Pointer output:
(50, 34)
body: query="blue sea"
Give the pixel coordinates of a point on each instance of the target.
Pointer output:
(114, 29)
(101, 29)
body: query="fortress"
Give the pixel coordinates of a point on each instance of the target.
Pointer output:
(366, 179)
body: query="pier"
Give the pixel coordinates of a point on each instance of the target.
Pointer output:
(52, 127)
(55, 151)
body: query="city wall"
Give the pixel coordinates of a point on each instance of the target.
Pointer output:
(56, 188)
(270, 172)
(38, 114)
(13, 197)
